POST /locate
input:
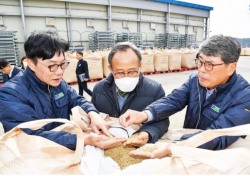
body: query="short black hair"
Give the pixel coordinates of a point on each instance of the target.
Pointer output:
(124, 46)
(79, 52)
(44, 45)
(3, 63)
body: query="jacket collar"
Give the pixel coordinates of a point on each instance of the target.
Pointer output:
(228, 84)
(35, 81)
(219, 89)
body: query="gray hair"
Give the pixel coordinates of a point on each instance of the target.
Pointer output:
(124, 46)
(228, 48)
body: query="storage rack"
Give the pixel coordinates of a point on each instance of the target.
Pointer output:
(101, 40)
(191, 41)
(161, 40)
(8, 48)
(135, 38)
(168, 40)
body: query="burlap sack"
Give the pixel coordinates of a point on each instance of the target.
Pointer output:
(69, 74)
(247, 52)
(242, 52)
(174, 59)
(160, 61)
(94, 65)
(188, 58)
(147, 62)
(29, 154)
(105, 63)
(187, 159)
(70, 56)
(120, 154)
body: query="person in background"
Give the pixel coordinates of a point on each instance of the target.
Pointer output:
(9, 71)
(216, 97)
(126, 88)
(24, 62)
(82, 73)
(40, 93)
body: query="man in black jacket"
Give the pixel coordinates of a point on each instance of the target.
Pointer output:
(82, 73)
(9, 71)
(126, 88)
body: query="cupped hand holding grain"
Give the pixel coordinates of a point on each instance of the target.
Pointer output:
(137, 139)
(102, 141)
(152, 151)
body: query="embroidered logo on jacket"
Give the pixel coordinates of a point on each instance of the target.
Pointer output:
(60, 95)
(215, 108)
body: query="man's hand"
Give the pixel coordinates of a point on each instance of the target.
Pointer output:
(159, 152)
(132, 117)
(98, 124)
(102, 141)
(137, 139)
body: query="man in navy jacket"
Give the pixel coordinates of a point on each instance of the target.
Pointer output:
(126, 88)
(217, 97)
(40, 93)
(9, 71)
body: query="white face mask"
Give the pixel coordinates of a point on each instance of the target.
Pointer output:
(25, 64)
(127, 84)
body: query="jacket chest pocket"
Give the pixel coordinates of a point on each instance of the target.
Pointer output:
(209, 115)
(62, 102)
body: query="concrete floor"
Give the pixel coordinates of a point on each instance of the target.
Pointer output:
(170, 81)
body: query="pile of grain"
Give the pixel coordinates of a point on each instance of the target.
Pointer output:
(148, 148)
(121, 155)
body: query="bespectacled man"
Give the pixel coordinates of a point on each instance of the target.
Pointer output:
(216, 97)
(126, 88)
(40, 93)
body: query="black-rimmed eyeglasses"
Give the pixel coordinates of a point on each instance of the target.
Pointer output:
(129, 74)
(55, 67)
(208, 65)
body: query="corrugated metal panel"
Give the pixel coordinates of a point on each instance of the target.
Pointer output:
(186, 4)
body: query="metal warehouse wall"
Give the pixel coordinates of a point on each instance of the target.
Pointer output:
(74, 20)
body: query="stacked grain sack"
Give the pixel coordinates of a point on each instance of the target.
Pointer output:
(94, 61)
(70, 72)
(247, 52)
(105, 63)
(242, 52)
(188, 58)
(147, 61)
(160, 60)
(174, 59)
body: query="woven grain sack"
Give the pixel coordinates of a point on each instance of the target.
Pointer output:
(21, 153)
(186, 159)
(188, 59)
(242, 52)
(69, 74)
(70, 56)
(247, 52)
(105, 63)
(94, 65)
(174, 59)
(147, 62)
(160, 61)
